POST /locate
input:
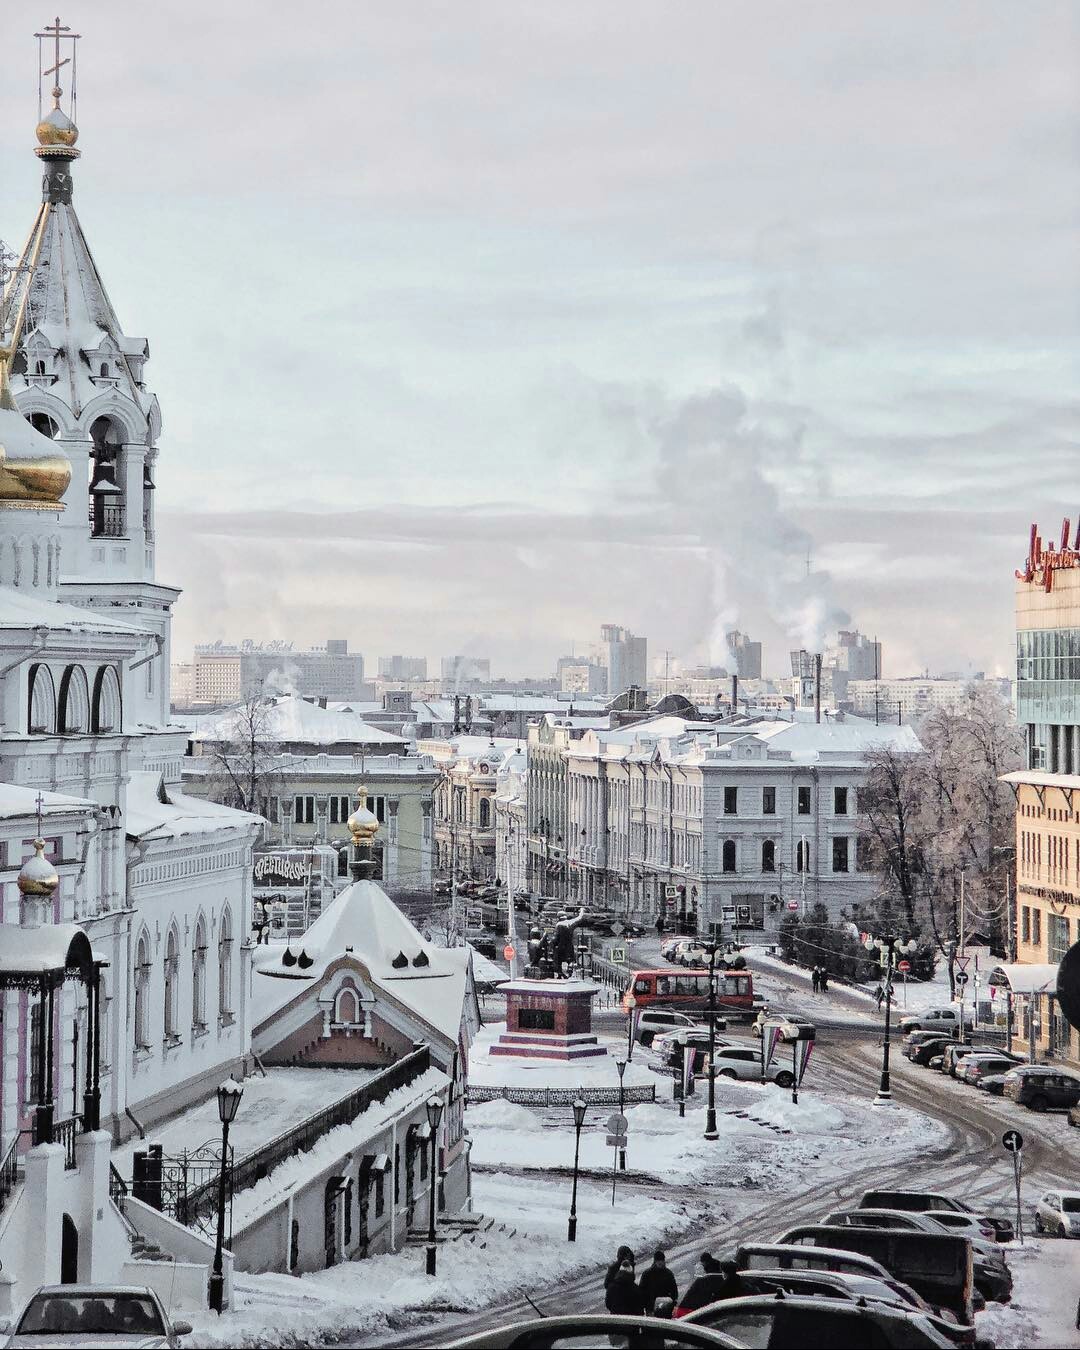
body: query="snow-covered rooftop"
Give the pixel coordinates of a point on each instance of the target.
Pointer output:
(155, 811)
(20, 802)
(18, 609)
(364, 923)
(292, 720)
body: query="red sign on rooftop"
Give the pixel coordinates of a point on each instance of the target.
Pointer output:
(1043, 563)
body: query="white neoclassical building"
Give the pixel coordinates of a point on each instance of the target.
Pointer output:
(124, 968)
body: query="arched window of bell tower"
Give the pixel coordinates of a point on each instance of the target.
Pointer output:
(106, 507)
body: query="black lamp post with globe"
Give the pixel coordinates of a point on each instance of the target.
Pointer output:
(228, 1100)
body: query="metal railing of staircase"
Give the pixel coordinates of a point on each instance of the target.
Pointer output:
(9, 1170)
(252, 1167)
(64, 1132)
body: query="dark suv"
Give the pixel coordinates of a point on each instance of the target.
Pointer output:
(928, 1047)
(1041, 1087)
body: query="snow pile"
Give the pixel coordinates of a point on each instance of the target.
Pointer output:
(391, 1291)
(1042, 1314)
(503, 1115)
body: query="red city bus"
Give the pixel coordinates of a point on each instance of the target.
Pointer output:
(689, 989)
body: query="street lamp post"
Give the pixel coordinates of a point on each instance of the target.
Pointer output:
(711, 1131)
(434, 1114)
(228, 1100)
(631, 1003)
(620, 1065)
(888, 948)
(579, 1120)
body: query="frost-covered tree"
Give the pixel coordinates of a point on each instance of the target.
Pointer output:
(244, 757)
(941, 824)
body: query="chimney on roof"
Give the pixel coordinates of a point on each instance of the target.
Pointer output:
(817, 686)
(734, 694)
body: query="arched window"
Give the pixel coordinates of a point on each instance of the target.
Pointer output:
(198, 977)
(768, 856)
(41, 708)
(44, 423)
(74, 716)
(171, 971)
(104, 370)
(802, 856)
(347, 1008)
(39, 367)
(729, 855)
(225, 965)
(142, 991)
(105, 714)
(485, 813)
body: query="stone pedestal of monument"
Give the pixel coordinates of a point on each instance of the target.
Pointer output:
(549, 1019)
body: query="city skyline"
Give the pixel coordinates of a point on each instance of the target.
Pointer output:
(537, 386)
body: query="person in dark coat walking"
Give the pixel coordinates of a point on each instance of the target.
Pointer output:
(718, 1280)
(657, 1282)
(815, 979)
(659, 925)
(824, 980)
(623, 1254)
(623, 1297)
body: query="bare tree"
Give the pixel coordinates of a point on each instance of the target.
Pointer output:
(941, 823)
(244, 758)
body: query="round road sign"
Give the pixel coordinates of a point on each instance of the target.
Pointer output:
(793, 904)
(1012, 1140)
(904, 967)
(508, 952)
(961, 978)
(617, 1124)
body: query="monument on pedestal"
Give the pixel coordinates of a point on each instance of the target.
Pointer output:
(549, 1012)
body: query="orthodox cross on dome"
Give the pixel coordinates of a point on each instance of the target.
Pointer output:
(39, 803)
(59, 33)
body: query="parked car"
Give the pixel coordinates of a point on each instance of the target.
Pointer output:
(786, 1256)
(652, 1022)
(925, 1202)
(744, 1062)
(946, 1018)
(1041, 1087)
(994, 1084)
(992, 1277)
(848, 1289)
(1058, 1212)
(95, 1314)
(795, 1321)
(930, 1045)
(956, 1051)
(985, 1064)
(639, 1333)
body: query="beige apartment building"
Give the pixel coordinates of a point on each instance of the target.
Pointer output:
(1047, 912)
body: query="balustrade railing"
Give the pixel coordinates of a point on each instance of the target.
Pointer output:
(64, 1132)
(9, 1170)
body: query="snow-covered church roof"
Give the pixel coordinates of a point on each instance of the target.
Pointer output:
(155, 811)
(365, 924)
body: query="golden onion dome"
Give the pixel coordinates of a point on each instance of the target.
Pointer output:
(38, 876)
(57, 128)
(363, 823)
(34, 472)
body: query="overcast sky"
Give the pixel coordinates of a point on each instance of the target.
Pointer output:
(478, 324)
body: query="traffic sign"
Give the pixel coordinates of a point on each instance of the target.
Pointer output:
(618, 956)
(1012, 1141)
(903, 967)
(617, 929)
(962, 962)
(617, 1124)
(508, 952)
(961, 978)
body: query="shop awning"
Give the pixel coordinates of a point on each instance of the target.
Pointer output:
(1025, 978)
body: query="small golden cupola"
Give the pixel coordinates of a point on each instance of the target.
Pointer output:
(363, 823)
(37, 882)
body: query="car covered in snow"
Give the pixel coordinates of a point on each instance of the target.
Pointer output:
(791, 1320)
(653, 1022)
(603, 1329)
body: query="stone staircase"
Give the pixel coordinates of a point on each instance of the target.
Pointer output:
(474, 1229)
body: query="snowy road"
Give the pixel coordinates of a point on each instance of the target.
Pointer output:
(970, 1162)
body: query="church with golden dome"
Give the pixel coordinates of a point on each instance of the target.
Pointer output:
(125, 905)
